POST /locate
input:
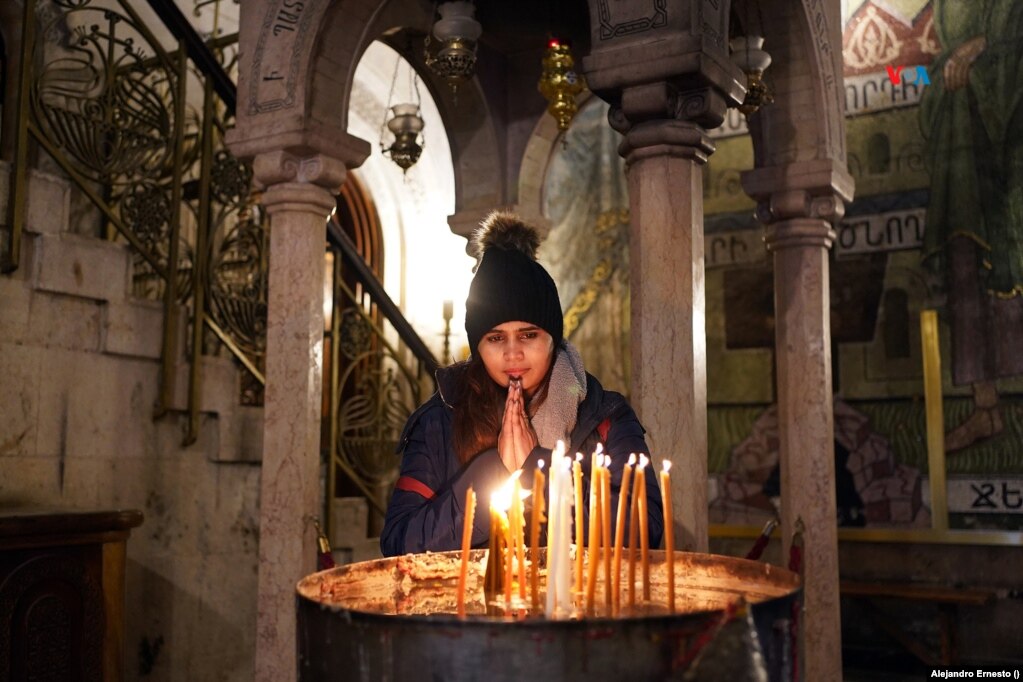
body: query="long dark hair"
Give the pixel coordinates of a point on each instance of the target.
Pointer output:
(479, 406)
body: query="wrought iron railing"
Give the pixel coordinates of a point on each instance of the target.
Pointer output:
(378, 377)
(138, 127)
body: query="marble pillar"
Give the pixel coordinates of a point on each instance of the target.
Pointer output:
(298, 198)
(665, 71)
(798, 216)
(668, 336)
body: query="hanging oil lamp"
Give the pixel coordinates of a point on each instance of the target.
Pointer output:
(457, 31)
(559, 83)
(749, 55)
(405, 124)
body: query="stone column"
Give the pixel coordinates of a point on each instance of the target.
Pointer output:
(665, 71)
(798, 217)
(298, 198)
(664, 157)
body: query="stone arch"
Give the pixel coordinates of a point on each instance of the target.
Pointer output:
(294, 87)
(536, 158)
(806, 120)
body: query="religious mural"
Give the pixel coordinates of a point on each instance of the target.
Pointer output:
(937, 224)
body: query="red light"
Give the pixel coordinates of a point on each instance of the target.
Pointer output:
(553, 42)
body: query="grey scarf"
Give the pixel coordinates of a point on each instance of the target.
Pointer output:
(555, 418)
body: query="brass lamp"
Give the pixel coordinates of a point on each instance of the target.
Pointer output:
(457, 31)
(559, 83)
(749, 55)
(405, 124)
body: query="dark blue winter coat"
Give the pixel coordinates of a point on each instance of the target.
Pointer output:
(426, 511)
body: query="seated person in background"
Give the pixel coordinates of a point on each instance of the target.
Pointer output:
(523, 389)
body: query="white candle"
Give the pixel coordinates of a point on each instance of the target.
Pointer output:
(559, 566)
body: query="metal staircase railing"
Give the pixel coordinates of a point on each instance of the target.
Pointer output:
(138, 127)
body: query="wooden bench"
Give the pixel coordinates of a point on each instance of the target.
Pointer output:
(947, 599)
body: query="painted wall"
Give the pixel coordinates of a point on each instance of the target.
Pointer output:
(937, 223)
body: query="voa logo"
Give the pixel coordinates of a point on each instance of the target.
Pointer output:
(909, 74)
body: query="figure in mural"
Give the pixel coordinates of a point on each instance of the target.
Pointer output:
(971, 116)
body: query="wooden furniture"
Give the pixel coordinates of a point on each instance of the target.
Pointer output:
(947, 600)
(62, 594)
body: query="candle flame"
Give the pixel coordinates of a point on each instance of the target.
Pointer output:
(578, 456)
(559, 449)
(501, 498)
(632, 459)
(539, 464)
(643, 461)
(667, 465)
(599, 449)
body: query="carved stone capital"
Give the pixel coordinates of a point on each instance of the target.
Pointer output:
(272, 168)
(816, 189)
(300, 139)
(666, 137)
(796, 232)
(664, 100)
(617, 120)
(294, 183)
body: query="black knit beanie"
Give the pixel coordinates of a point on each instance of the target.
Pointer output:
(509, 284)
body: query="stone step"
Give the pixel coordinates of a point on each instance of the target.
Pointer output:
(48, 207)
(81, 266)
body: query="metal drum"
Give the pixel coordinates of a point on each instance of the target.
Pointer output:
(394, 619)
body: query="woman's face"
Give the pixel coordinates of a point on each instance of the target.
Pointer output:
(517, 350)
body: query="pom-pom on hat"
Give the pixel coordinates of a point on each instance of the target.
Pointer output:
(509, 284)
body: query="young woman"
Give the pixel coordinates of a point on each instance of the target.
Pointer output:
(523, 389)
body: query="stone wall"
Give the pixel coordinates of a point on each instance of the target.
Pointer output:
(80, 374)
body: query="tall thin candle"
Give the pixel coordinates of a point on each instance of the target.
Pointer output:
(518, 531)
(623, 505)
(669, 534)
(493, 576)
(509, 551)
(534, 534)
(644, 532)
(633, 538)
(559, 532)
(470, 511)
(605, 536)
(593, 548)
(577, 478)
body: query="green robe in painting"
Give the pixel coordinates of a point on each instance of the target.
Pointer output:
(975, 141)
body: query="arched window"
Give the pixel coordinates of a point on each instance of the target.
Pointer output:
(879, 154)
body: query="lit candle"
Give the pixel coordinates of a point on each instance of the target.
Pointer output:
(644, 537)
(605, 536)
(669, 534)
(470, 511)
(633, 538)
(593, 548)
(577, 477)
(517, 531)
(492, 580)
(534, 534)
(559, 536)
(502, 547)
(623, 505)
